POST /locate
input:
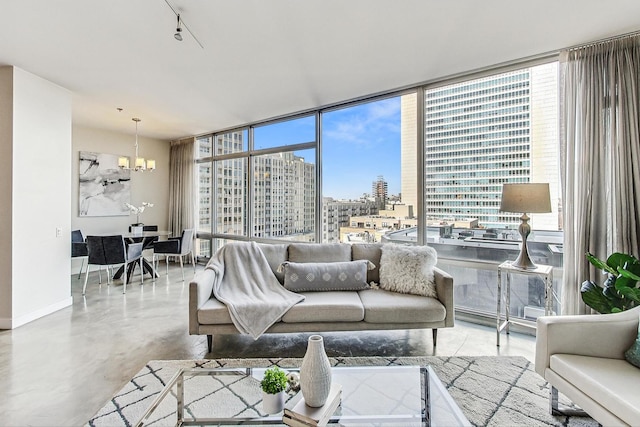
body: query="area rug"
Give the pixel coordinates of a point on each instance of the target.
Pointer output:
(491, 391)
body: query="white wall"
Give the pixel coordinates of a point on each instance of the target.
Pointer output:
(150, 187)
(40, 177)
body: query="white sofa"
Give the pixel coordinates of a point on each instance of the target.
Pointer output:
(371, 309)
(583, 358)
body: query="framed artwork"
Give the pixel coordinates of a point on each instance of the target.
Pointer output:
(104, 187)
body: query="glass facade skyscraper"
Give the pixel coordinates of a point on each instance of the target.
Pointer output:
(483, 133)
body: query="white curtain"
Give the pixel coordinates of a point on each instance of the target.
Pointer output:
(601, 159)
(182, 188)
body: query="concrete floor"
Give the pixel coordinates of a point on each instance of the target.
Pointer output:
(60, 369)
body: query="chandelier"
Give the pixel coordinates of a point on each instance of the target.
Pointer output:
(139, 164)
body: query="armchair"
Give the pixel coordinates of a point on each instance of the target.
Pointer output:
(583, 357)
(112, 250)
(175, 246)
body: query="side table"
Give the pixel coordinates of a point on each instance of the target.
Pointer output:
(543, 271)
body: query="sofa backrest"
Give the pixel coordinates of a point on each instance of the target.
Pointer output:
(319, 252)
(371, 252)
(276, 254)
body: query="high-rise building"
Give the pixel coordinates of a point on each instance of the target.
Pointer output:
(283, 193)
(379, 190)
(483, 133)
(337, 214)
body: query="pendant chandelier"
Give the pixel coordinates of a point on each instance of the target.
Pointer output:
(139, 164)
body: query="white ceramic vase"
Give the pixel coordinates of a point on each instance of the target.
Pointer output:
(315, 373)
(273, 403)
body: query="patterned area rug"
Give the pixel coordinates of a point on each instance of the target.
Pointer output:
(491, 391)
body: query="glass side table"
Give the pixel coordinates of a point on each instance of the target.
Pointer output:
(506, 268)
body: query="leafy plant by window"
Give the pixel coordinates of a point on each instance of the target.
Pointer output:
(274, 381)
(620, 290)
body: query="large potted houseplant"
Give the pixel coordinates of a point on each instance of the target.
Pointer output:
(620, 290)
(273, 387)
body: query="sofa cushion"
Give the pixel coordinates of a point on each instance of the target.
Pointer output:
(213, 312)
(408, 269)
(276, 254)
(319, 252)
(613, 383)
(382, 306)
(371, 252)
(325, 276)
(332, 306)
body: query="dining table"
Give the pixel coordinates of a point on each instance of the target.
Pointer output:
(147, 238)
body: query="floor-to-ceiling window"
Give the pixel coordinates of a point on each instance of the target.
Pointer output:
(362, 172)
(258, 183)
(480, 134)
(418, 166)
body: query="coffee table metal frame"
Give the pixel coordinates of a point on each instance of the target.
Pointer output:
(436, 400)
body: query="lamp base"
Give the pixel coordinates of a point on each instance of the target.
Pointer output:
(523, 262)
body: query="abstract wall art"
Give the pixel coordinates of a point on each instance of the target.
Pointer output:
(104, 187)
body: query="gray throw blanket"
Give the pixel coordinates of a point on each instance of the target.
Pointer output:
(252, 293)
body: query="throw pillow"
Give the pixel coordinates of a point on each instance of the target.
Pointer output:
(325, 276)
(633, 353)
(408, 269)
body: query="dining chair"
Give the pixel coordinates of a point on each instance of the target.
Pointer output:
(175, 246)
(78, 248)
(112, 250)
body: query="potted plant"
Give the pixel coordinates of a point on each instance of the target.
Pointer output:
(273, 387)
(620, 290)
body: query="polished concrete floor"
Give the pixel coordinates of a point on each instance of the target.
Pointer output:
(60, 369)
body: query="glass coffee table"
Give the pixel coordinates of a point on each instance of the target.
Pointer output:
(371, 396)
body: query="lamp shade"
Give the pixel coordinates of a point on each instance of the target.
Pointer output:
(529, 198)
(140, 164)
(123, 162)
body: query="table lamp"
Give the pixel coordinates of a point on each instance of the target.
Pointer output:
(531, 198)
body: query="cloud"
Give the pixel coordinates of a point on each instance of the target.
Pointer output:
(363, 124)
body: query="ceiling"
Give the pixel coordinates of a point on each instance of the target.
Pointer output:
(263, 59)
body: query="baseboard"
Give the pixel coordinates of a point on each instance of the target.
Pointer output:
(30, 317)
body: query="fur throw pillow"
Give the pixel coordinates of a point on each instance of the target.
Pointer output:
(408, 269)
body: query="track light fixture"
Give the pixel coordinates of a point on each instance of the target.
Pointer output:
(178, 34)
(181, 23)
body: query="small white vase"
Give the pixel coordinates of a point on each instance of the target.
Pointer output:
(273, 403)
(315, 373)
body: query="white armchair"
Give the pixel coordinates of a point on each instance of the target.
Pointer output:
(583, 358)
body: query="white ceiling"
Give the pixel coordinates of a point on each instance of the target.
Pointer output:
(265, 58)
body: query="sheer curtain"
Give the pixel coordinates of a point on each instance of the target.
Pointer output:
(182, 188)
(601, 158)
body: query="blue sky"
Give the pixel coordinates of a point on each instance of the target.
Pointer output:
(359, 143)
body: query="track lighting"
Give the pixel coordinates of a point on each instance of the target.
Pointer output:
(178, 34)
(181, 23)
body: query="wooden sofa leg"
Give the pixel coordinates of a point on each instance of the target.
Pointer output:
(210, 342)
(434, 333)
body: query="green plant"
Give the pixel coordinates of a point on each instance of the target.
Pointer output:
(620, 290)
(274, 381)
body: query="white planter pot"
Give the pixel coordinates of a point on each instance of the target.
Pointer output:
(273, 403)
(315, 373)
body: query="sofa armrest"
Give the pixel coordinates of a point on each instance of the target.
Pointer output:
(200, 291)
(597, 335)
(444, 288)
